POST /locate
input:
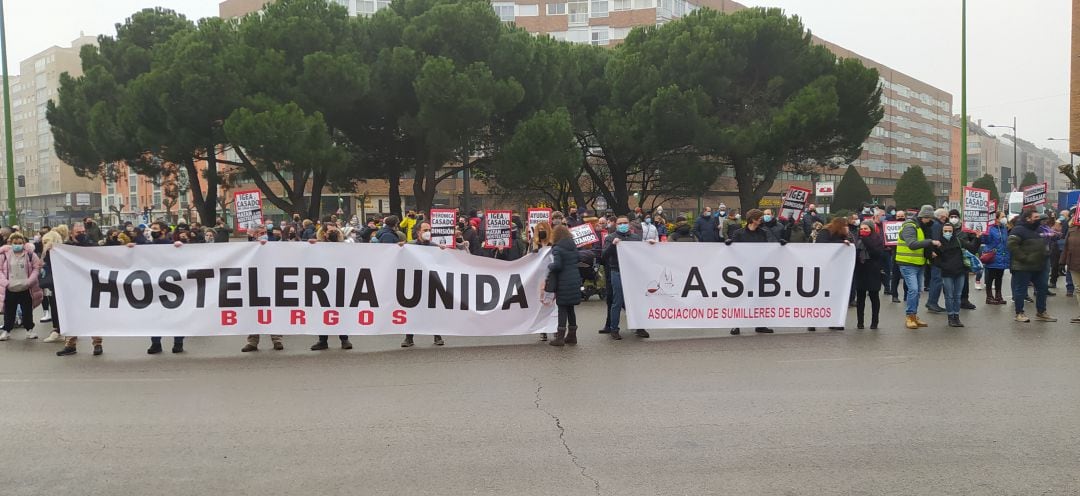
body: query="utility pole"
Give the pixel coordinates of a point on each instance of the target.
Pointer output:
(963, 96)
(10, 156)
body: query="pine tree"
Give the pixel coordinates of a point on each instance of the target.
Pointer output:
(987, 182)
(913, 190)
(1029, 179)
(852, 192)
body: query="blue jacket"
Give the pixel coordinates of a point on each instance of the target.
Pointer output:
(994, 240)
(707, 229)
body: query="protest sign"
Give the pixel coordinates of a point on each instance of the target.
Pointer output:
(1035, 195)
(692, 286)
(497, 225)
(248, 208)
(976, 209)
(536, 216)
(794, 203)
(298, 288)
(443, 222)
(583, 235)
(892, 231)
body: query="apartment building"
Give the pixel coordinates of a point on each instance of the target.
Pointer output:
(47, 190)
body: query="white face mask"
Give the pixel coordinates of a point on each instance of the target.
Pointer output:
(426, 236)
(954, 220)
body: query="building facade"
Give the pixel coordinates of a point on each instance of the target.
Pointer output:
(47, 190)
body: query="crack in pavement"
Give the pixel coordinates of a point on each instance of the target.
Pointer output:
(562, 438)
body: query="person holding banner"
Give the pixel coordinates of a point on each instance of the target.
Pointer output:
(423, 238)
(324, 340)
(754, 232)
(541, 239)
(911, 259)
(995, 257)
(611, 261)
(564, 282)
(870, 252)
(1029, 264)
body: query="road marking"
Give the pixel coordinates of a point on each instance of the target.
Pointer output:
(815, 360)
(134, 379)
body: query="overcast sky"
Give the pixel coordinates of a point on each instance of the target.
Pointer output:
(1018, 52)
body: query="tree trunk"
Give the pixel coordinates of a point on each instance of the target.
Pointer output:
(744, 178)
(394, 179)
(318, 180)
(575, 190)
(620, 191)
(424, 188)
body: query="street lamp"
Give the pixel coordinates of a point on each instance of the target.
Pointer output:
(1016, 184)
(1070, 152)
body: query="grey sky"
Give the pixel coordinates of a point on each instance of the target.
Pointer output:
(1018, 52)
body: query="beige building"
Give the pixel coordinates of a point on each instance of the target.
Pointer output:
(47, 190)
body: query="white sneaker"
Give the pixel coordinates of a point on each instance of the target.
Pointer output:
(978, 287)
(31, 334)
(46, 318)
(53, 338)
(4, 336)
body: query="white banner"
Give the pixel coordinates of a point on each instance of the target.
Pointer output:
(1035, 195)
(694, 285)
(297, 288)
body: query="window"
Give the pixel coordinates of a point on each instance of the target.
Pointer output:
(505, 11)
(556, 9)
(600, 36)
(528, 10)
(620, 4)
(644, 4)
(578, 12)
(599, 8)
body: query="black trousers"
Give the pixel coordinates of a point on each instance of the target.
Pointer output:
(607, 297)
(993, 280)
(15, 301)
(567, 316)
(157, 340)
(860, 305)
(50, 303)
(407, 336)
(325, 338)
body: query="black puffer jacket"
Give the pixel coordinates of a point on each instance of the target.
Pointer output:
(564, 278)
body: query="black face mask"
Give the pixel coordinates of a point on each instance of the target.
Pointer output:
(155, 234)
(542, 235)
(332, 236)
(459, 240)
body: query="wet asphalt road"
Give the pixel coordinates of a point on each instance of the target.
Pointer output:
(993, 408)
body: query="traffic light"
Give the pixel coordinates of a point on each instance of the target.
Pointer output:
(22, 181)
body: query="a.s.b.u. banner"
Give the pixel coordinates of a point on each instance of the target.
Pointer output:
(294, 288)
(701, 285)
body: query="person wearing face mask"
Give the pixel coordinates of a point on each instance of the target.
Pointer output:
(779, 229)
(19, 289)
(563, 283)
(810, 217)
(112, 238)
(948, 257)
(611, 261)
(648, 230)
(941, 217)
(870, 252)
(1029, 265)
(754, 232)
(706, 227)
(332, 235)
(996, 257)
(971, 242)
(910, 258)
(423, 239)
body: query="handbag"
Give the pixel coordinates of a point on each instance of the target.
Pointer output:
(988, 256)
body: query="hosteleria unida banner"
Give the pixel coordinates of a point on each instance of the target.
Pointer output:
(706, 285)
(297, 288)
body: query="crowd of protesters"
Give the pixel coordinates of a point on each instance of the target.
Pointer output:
(932, 254)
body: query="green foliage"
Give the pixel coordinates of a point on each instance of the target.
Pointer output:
(987, 182)
(852, 192)
(913, 190)
(1029, 179)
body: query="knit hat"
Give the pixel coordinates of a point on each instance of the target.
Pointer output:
(954, 213)
(870, 223)
(926, 212)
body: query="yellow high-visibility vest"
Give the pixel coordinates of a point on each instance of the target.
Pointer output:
(907, 255)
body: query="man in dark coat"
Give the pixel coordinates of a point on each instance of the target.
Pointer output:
(754, 232)
(706, 227)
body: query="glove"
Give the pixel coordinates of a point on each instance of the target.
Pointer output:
(783, 242)
(728, 241)
(548, 298)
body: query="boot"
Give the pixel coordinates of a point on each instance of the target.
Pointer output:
(990, 300)
(954, 321)
(543, 337)
(921, 322)
(560, 336)
(874, 322)
(571, 335)
(912, 322)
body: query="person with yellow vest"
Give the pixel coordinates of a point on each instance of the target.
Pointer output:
(911, 260)
(408, 224)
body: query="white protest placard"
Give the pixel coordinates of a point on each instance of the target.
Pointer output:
(892, 231)
(976, 209)
(536, 216)
(1035, 195)
(794, 203)
(298, 288)
(248, 208)
(692, 286)
(443, 222)
(824, 189)
(497, 224)
(584, 235)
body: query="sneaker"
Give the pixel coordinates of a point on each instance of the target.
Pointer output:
(178, 348)
(978, 286)
(1022, 318)
(1074, 320)
(319, 346)
(1051, 293)
(615, 335)
(407, 343)
(604, 331)
(98, 350)
(735, 331)
(4, 336)
(896, 299)
(763, 330)
(31, 334)
(1044, 317)
(934, 308)
(53, 337)
(641, 333)
(46, 318)
(67, 351)
(278, 346)
(439, 341)
(346, 345)
(967, 305)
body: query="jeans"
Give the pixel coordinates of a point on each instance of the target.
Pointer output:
(953, 286)
(887, 270)
(615, 283)
(935, 287)
(1020, 281)
(913, 281)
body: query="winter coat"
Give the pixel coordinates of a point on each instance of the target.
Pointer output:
(610, 254)
(649, 231)
(32, 268)
(707, 229)
(1070, 256)
(996, 240)
(221, 234)
(387, 235)
(682, 234)
(824, 236)
(564, 277)
(808, 220)
(779, 229)
(949, 257)
(759, 235)
(868, 262)
(407, 225)
(1027, 247)
(93, 231)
